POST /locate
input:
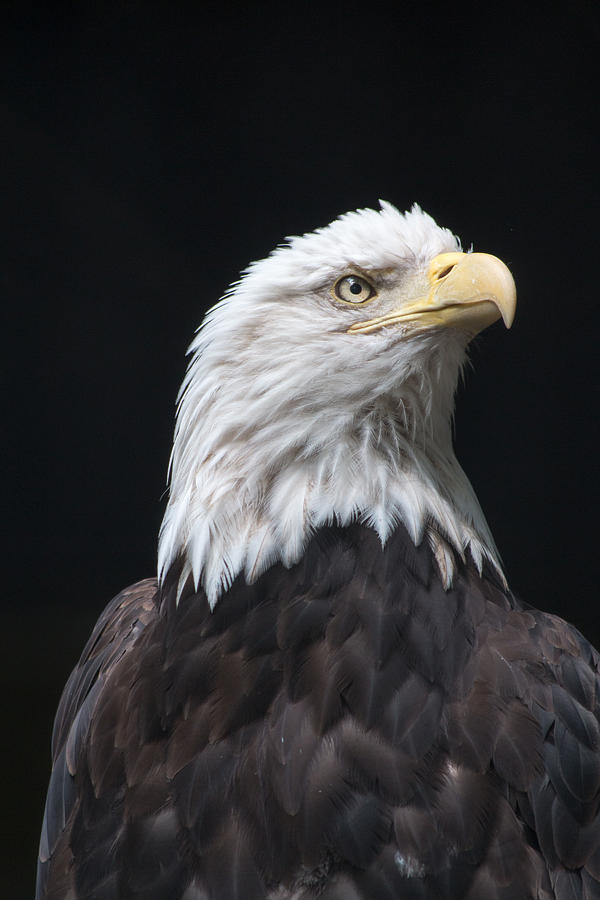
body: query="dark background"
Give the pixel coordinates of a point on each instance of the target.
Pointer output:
(149, 154)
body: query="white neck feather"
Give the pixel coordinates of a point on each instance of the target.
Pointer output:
(245, 496)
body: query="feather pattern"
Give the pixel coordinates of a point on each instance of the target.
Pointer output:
(342, 728)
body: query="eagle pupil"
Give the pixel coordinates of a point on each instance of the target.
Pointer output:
(355, 287)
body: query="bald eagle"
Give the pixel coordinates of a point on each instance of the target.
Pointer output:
(330, 690)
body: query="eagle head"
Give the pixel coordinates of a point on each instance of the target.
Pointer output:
(321, 389)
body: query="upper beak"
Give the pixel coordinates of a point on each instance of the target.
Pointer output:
(467, 291)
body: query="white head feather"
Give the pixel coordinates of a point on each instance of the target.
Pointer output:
(286, 422)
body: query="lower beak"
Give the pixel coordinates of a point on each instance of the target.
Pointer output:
(468, 291)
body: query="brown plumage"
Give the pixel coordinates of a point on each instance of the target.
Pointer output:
(331, 733)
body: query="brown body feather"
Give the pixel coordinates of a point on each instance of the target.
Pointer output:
(342, 729)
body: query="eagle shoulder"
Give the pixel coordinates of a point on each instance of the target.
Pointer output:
(116, 632)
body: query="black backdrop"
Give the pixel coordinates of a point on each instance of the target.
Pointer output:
(150, 152)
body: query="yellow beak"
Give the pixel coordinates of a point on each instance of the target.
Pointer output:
(467, 291)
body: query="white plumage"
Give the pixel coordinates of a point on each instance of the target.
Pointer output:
(286, 422)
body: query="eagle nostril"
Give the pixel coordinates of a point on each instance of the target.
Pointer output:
(444, 272)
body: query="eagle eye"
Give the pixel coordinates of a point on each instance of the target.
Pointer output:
(354, 289)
